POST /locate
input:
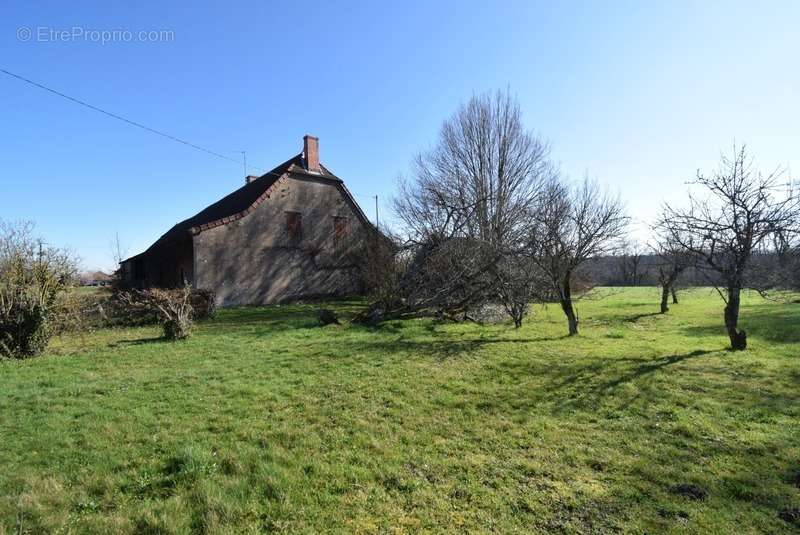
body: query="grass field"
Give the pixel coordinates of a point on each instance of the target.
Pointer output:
(263, 421)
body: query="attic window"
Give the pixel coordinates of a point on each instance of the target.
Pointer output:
(339, 231)
(294, 228)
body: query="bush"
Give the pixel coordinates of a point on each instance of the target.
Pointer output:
(204, 304)
(379, 268)
(114, 311)
(75, 311)
(450, 275)
(326, 317)
(78, 311)
(173, 307)
(177, 328)
(32, 277)
(24, 328)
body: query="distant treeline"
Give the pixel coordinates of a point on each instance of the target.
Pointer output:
(642, 270)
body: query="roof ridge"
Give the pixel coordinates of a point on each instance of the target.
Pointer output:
(244, 200)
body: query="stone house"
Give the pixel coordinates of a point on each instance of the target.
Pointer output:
(291, 233)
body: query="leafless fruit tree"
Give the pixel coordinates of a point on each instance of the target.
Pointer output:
(742, 211)
(672, 259)
(518, 282)
(572, 224)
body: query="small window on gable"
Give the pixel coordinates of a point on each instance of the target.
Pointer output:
(294, 228)
(339, 231)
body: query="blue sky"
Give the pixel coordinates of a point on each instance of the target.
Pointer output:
(637, 94)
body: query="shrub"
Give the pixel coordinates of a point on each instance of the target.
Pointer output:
(23, 324)
(326, 317)
(204, 304)
(79, 311)
(178, 327)
(32, 277)
(115, 310)
(75, 311)
(379, 268)
(449, 275)
(173, 307)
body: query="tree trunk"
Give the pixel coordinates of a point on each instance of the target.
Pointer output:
(566, 306)
(738, 338)
(674, 296)
(664, 296)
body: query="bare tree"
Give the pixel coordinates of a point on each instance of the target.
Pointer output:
(785, 268)
(737, 219)
(117, 251)
(481, 178)
(572, 225)
(789, 265)
(380, 264)
(632, 263)
(450, 276)
(519, 281)
(468, 205)
(672, 260)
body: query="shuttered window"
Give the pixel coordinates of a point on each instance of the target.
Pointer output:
(294, 228)
(339, 231)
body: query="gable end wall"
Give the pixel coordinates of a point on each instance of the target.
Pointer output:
(251, 260)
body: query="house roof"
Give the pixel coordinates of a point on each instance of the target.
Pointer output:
(242, 201)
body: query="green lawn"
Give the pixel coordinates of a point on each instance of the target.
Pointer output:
(263, 421)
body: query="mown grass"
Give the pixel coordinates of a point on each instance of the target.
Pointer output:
(265, 422)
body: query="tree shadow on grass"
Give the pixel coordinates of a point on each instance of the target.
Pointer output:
(595, 392)
(266, 319)
(654, 366)
(759, 321)
(589, 386)
(139, 342)
(636, 317)
(443, 348)
(616, 385)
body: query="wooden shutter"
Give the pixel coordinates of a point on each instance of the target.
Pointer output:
(294, 228)
(339, 231)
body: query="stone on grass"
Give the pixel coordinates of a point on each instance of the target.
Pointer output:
(690, 490)
(790, 515)
(326, 316)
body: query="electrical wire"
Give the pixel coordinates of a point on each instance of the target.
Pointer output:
(132, 122)
(124, 119)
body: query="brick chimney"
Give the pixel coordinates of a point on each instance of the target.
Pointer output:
(311, 153)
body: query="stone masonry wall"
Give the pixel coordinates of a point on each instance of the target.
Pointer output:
(254, 260)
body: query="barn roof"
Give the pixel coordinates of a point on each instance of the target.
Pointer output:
(240, 202)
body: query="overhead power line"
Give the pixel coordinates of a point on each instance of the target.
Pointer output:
(139, 125)
(123, 119)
